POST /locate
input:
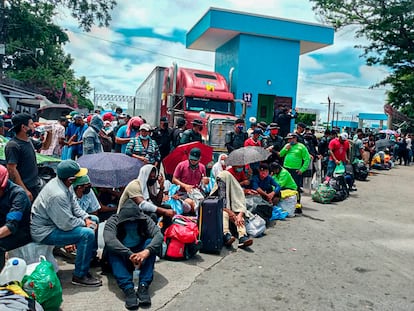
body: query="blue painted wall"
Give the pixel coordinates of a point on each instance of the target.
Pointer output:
(276, 60)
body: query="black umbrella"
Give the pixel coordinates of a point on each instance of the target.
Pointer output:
(246, 155)
(110, 170)
(53, 112)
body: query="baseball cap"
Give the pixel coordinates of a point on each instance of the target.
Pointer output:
(257, 131)
(239, 121)
(70, 168)
(145, 127)
(195, 154)
(344, 136)
(20, 118)
(82, 180)
(73, 113)
(180, 121)
(291, 135)
(197, 122)
(302, 125)
(4, 177)
(163, 119)
(273, 126)
(108, 116)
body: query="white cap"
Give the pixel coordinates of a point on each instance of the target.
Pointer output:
(344, 136)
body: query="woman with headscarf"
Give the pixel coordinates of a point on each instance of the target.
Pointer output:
(127, 131)
(219, 166)
(147, 191)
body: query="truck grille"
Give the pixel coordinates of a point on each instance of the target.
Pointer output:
(217, 133)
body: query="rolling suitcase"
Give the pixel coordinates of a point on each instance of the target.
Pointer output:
(210, 224)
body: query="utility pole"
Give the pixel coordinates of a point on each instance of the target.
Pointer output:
(329, 110)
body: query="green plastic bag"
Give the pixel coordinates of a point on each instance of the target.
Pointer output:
(44, 286)
(339, 169)
(323, 194)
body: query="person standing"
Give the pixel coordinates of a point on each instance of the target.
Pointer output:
(57, 219)
(178, 132)
(126, 132)
(143, 147)
(338, 152)
(284, 119)
(274, 143)
(297, 158)
(91, 141)
(21, 156)
(14, 215)
(75, 141)
(193, 134)
(236, 138)
(163, 137)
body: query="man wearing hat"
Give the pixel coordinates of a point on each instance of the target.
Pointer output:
(57, 219)
(163, 137)
(236, 138)
(297, 158)
(143, 147)
(14, 215)
(21, 156)
(193, 134)
(274, 143)
(254, 140)
(189, 173)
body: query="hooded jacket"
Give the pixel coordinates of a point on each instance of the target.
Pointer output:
(91, 142)
(114, 231)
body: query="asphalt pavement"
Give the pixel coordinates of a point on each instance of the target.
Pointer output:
(352, 255)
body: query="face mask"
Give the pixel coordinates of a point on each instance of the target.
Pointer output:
(274, 132)
(121, 121)
(263, 175)
(239, 169)
(240, 127)
(144, 137)
(29, 132)
(151, 181)
(86, 190)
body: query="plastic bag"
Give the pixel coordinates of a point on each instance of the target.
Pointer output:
(44, 286)
(176, 205)
(289, 204)
(323, 194)
(31, 253)
(255, 226)
(339, 169)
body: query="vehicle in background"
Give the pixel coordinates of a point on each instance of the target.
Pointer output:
(191, 94)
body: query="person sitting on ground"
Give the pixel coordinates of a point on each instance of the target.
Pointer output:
(132, 240)
(265, 185)
(190, 175)
(148, 191)
(240, 172)
(108, 200)
(219, 166)
(57, 219)
(14, 215)
(234, 211)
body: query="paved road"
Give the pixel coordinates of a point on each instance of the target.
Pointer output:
(352, 255)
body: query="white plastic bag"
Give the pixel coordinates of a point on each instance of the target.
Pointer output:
(255, 226)
(31, 253)
(289, 204)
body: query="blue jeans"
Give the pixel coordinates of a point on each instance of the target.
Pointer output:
(85, 241)
(331, 168)
(122, 267)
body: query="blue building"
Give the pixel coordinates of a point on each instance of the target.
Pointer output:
(259, 55)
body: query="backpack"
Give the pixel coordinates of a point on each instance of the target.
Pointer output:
(181, 238)
(360, 171)
(338, 183)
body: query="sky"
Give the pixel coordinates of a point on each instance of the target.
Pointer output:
(145, 34)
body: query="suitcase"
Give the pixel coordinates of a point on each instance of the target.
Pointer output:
(210, 224)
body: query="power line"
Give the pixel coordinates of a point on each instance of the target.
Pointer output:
(141, 49)
(345, 86)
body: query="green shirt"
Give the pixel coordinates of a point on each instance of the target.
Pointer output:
(297, 157)
(285, 180)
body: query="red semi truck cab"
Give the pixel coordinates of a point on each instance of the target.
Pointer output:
(200, 94)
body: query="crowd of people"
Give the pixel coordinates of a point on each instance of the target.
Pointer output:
(67, 210)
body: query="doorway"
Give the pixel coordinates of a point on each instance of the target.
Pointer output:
(265, 108)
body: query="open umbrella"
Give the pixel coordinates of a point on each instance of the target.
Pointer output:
(182, 152)
(246, 155)
(110, 170)
(54, 111)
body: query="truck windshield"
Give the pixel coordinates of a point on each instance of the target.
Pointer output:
(208, 105)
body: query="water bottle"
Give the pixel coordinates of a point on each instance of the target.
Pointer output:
(135, 277)
(14, 270)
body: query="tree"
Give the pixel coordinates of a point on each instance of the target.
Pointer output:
(306, 118)
(30, 30)
(389, 27)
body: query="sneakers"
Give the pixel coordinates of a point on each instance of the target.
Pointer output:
(245, 241)
(131, 301)
(143, 295)
(228, 239)
(87, 280)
